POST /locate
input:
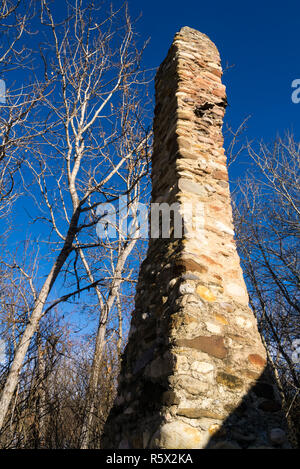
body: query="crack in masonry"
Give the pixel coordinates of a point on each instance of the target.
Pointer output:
(199, 111)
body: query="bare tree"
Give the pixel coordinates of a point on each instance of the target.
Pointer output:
(267, 218)
(18, 97)
(13, 22)
(92, 129)
(117, 252)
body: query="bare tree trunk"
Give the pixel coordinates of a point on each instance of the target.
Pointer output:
(41, 405)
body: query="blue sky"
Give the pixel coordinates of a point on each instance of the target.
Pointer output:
(260, 38)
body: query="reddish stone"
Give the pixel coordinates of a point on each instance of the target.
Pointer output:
(219, 92)
(215, 71)
(199, 62)
(213, 345)
(202, 82)
(213, 77)
(257, 360)
(218, 277)
(215, 208)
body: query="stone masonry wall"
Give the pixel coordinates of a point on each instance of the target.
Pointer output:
(194, 373)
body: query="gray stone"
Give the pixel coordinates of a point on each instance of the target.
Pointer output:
(187, 185)
(190, 276)
(193, 386)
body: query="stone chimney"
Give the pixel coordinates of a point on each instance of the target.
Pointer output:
(194, 373)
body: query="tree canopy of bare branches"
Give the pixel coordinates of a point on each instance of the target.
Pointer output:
(267, 222)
